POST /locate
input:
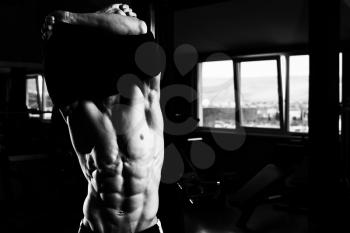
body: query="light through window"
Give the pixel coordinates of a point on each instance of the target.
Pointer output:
(299, 93)
(216, 102)
(47, 103)
(38, 101)
(33, 97)
(259, 94)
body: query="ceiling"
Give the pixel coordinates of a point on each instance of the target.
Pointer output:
(248, 26)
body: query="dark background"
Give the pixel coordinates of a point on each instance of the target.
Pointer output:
(41, 186)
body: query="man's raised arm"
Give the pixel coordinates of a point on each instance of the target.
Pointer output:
(115, 23)
(117, 19)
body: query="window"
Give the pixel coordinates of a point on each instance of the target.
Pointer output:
(259, 94)
(298, 93)
(217, 101)
(258, 103)
(264, 93)
(38, 102)
(32, 97)
(47, 102)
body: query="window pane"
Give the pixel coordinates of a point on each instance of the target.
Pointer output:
(217, 102)
(299, 93)
(47, 103)
(259, 94)
(37, 98)
(32, 94)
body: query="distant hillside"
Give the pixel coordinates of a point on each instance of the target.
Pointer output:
(220, 92)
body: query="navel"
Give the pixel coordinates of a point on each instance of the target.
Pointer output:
(141, 136)
(120, 212)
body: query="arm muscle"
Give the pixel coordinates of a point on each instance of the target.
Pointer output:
(115, 23)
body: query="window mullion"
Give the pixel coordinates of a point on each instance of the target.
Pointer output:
(43, 102)
(237, 87)
(286, 124)
(280, 92)
(199, 93)
(38, 91)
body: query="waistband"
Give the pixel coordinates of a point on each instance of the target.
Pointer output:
(156, 228)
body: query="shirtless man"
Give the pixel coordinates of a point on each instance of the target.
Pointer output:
(117, 134)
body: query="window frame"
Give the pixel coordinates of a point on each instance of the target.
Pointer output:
(237, 71)
(30, 77)
(40, 112)
(287, 99)
(283, 98)
(197, 84)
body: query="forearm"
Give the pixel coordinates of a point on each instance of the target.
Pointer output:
(114, 23)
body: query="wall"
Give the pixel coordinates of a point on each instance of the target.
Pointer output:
(242, 26)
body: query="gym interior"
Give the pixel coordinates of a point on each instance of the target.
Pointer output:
(256, 103)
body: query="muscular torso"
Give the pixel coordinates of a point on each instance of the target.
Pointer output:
(123, 166)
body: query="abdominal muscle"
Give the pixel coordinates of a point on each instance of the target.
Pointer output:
(123, 179)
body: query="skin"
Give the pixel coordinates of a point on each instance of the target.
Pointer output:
(119, 143)
(117, 18)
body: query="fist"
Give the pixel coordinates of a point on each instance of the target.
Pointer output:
(121, 9)
(50, 20)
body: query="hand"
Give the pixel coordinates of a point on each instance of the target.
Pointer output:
(46, 28)
(50, 20)
(121, 9)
